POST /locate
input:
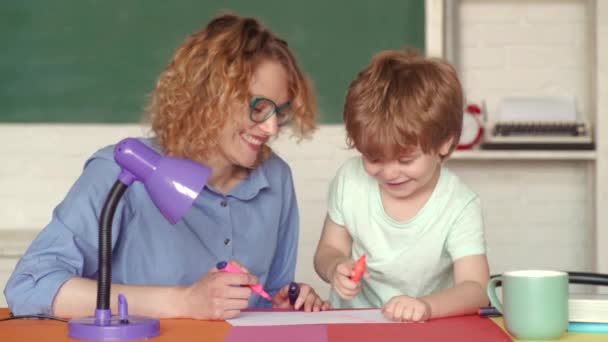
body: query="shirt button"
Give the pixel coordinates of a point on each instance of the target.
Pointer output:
(224, 203)
(226, 241)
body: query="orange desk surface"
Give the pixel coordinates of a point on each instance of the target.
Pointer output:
(174, 330)
(457, 329)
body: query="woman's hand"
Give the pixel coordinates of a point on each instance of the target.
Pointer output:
(307, 299)
(407, 309)
(218, 295)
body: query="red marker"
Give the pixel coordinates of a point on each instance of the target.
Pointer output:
(359, 269)
(224, 266)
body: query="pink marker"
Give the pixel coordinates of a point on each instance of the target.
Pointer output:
(224, 266)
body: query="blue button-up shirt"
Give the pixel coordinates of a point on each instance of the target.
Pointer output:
(256, 223)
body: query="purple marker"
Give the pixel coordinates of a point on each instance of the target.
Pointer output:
(293, 292)
(488, 311)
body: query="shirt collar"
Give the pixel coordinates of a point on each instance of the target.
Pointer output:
(255, 182)
(247, 189)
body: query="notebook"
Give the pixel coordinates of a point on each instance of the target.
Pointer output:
(588, 308)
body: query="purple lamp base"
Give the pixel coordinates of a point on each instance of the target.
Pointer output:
(105, 327)
(113, 329)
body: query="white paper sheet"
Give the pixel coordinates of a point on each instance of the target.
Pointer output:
(267, 318)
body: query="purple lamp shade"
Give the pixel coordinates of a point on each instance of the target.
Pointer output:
(172, 183)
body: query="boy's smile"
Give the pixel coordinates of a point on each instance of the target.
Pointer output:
(406, 176)
(402, 181)
(398, 183)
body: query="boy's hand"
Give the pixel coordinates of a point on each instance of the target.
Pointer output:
(407, 309)
(341, 282)
(308, 299)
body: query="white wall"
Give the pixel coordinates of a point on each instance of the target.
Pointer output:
(534, 47)
(601, 169)
(46, 159)
(42, 162)
(539, 213)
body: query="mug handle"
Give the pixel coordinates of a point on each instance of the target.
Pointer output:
(492, 293)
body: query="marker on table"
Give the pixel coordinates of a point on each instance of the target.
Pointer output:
(359, 269)
(488, 311)
(293, 292)
(224, 266)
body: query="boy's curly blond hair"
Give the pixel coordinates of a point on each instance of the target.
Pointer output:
(402, 100)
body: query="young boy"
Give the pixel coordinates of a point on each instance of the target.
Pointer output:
(419, 226)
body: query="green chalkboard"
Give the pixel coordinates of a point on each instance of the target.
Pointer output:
(96, 61)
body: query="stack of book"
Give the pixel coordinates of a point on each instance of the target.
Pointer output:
(588, 313)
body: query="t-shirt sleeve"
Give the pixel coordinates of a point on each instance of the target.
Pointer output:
(466, 237)
(335, 198)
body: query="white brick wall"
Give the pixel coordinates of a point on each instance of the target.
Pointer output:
(601, 91)
(535, 212)
(536, 47)
(538, 213)
(40, 164)
(46, 159)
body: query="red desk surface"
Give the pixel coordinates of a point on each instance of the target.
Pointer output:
(468, 328)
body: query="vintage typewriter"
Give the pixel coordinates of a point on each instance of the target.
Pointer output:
(538, 124)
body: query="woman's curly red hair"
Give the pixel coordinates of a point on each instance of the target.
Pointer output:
(210, 74)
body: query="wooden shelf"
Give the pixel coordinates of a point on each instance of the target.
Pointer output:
(523, 155)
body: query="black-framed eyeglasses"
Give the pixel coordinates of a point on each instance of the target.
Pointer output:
(261, 109)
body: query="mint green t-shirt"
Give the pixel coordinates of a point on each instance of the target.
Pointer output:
(414, 257)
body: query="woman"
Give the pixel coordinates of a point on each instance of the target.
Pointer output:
(228, 89)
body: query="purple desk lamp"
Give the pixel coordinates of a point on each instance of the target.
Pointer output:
(173, 184)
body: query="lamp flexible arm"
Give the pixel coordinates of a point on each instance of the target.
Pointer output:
(104, 278)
